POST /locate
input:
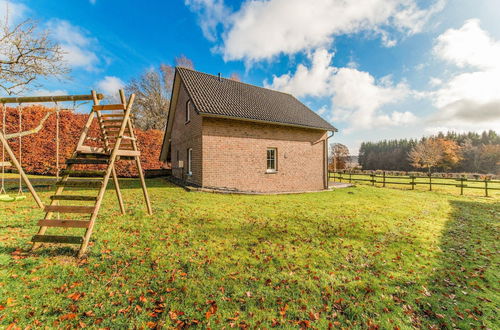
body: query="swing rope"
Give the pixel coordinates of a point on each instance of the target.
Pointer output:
(58, 169)
(4, 114)
(20, 110)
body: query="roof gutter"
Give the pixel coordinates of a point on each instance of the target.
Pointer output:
(327, 179)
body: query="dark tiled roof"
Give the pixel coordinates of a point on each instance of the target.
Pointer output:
(231, 98)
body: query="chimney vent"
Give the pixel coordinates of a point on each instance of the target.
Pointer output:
(220, 77)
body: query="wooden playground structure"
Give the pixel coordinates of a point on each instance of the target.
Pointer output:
(118, 141)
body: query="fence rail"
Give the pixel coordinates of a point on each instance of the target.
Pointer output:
(413, 180)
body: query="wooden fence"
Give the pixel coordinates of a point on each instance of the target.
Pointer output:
(413, 180)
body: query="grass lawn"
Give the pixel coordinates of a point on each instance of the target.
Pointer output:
(357, 257)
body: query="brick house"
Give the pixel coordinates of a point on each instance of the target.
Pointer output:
(229, 135)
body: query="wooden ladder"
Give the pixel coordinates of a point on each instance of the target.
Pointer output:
(117, 134)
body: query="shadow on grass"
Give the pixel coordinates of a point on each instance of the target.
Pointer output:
(465, 283)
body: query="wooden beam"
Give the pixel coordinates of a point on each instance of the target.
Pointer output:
(23, 175)
(31, 131)
(58, 98)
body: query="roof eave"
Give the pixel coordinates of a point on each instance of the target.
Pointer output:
(213, 115)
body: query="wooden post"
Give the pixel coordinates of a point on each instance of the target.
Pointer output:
(430, 182)
(412, 182)
(486, 187)
(461, 186)
(373, 179)
(23, 175)
(137, 159)
(350, 176)
(383, 184)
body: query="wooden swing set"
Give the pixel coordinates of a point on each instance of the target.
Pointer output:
(118, 142)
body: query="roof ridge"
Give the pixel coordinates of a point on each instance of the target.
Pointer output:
(235, 81)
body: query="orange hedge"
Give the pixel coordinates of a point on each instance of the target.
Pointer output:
(39, 150)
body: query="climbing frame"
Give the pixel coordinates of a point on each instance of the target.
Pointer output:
(119, 142)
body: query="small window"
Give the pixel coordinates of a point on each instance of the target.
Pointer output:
(189, 106)
(271, 160)
(189, 160)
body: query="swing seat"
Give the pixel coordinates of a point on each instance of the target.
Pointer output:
(9, 198)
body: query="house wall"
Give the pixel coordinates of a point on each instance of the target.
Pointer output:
(235, 153)
(184, 136)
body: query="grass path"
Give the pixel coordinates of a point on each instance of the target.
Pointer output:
(356, 257)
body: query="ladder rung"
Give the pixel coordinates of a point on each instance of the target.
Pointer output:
(108, 107)
(69, 209)
(64, 223)
(128, 153)
(111, 126)
(86, 161)
(82, 173)
(89, 149)
(80, 184)
(117, 115)
(93, 154)
(73, 198)
(57, 239)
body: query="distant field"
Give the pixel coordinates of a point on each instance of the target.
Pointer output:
(358, 257)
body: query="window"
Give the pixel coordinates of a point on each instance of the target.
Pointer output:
(271, 160)
(189, 106)
(189, 160)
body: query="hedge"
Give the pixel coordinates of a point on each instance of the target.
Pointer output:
(39, 150)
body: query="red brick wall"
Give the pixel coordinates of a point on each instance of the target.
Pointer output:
(184, 136)
(234, 156)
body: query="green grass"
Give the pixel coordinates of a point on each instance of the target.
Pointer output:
(355, 257)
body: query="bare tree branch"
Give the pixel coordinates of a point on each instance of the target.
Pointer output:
(26, 55)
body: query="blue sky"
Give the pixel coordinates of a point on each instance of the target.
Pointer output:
(375, 69)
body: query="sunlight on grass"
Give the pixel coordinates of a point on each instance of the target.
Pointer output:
(352, 257)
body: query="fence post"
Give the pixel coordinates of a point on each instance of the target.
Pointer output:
(340, 176)
(430, 182)
(350, 175)
(461, 186)
(412, 182)
(383, 184)
(373, 179)
(486, 187)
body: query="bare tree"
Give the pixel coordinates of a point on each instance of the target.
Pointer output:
(339, 156)
(153, 90)
(184, 62)
(235, 76)
(25, 55)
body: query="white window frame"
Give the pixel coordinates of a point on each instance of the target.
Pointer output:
(189, 161)
(188, 111)
(272, 169)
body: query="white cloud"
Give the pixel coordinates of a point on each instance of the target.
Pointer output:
(263, 29)
(110, 86)
(357, 97)
(313, 81)
(76, 44)
(469, 46)
(469, 98)
(211, 14)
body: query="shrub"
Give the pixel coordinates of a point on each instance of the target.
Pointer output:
(39, 150)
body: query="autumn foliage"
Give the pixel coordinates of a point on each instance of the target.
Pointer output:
(39, 150)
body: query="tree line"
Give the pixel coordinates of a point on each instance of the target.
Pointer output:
(450, 152)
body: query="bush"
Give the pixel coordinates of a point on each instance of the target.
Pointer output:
(39, 150)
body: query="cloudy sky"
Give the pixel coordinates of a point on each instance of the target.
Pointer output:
(376, 69)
